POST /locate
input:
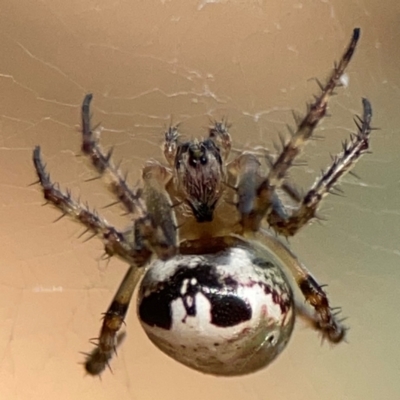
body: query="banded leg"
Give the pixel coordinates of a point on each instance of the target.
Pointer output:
(324, 317)
(342, 163)
(305, 129)
(108, 340)
(124, 244)
(103, 164)
(158, 230)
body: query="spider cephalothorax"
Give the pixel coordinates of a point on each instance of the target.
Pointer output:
(199, 175)
(214, 294)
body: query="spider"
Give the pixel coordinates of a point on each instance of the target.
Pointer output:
(203, 246)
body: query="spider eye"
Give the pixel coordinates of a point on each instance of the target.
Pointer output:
(197, 156)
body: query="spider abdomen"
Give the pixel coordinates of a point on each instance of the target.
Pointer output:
(226, 313)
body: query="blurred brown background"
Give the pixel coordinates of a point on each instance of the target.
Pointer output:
(148, 62)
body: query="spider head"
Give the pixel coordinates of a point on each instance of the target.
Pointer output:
(199, 172)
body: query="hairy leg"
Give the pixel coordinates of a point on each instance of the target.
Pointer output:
(266, 191)
(342, 163)
(103, 164)
(122, 244)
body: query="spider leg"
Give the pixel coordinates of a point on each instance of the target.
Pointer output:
(171, 143)
(160, 229)
(291, 191)
(102, 162)
(324, 317)
(244, 170)
(218, 133)
(342, 163)
(97, 360)
(116, 242)
(305, 129)
(316, 112)
(155, 230)
(128, 245)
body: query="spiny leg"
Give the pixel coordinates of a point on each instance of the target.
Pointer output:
(316, 111)
(128, 245)
(103, 163)
(158, 231)
(342, 163)
(171, 144)
(106, 344)
(245, 177)
(324, 317)
(219, 134)
(116, 242)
